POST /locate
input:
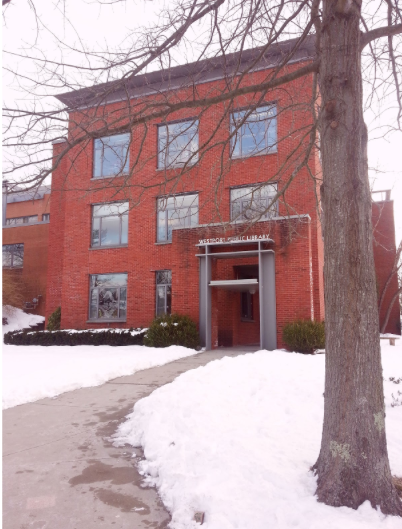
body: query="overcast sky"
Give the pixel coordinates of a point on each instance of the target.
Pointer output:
(102, 26)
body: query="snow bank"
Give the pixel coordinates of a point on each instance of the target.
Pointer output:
(18, 319)
(236, 439)
(34, 372)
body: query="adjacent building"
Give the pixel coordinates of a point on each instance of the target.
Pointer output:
(26, 217)
(153, 223)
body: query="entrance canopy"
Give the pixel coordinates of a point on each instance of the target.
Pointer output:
(217, 249)
(237, 285)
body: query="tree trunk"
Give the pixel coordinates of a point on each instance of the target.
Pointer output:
(353, 463)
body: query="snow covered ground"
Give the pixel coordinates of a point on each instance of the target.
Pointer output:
(18, 319)
(34, 372)
(235, 439)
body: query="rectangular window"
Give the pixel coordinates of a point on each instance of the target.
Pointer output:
(108, 297)
(22, 220)
(176, 211)
(111, 155)
(177, 144)
(110, 224)
(254, 133)
(254, 202)
(13, 255)
(247, 306)
(163, 292)
(46, 217)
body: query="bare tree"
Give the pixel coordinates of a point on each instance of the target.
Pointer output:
(352, 42)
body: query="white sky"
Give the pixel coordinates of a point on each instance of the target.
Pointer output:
(106, 25)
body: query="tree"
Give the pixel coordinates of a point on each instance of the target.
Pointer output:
(352, 466)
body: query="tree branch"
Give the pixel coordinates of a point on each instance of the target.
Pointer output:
(385, 31)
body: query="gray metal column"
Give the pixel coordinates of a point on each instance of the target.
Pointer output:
(205, 300)
(266, 272)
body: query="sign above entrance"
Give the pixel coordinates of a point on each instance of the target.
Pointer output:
(237, 238)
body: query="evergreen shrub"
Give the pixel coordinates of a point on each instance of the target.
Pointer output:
(53, 323)
(304, 336)
(47, 338)
(172, 329)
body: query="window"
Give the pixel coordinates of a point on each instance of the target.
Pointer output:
(256, 132)
(177, 144)
(108, 297)
(247, 306)
(22, 220)
(46, 217)
(176, 211)
(13, 255)
(255, 202)
(111, 155)
(110, 224)
(163, 292)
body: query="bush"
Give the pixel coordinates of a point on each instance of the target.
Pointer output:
(172, 329)
(53, 323)
(91, 337)
(304, 336)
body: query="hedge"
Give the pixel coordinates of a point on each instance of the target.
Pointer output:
(90, 337)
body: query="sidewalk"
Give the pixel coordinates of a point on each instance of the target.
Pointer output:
(60, 471)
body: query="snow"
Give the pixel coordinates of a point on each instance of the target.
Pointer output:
(35, 372)
(18, 319)
(236, 439)
(112, 330)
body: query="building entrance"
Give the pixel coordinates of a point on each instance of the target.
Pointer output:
(249, 280)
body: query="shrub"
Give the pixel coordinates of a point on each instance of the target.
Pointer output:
(304, 336)
(91, 337)
(53, 323)
(172, 329)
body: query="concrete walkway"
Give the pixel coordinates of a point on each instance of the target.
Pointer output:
(60, 471)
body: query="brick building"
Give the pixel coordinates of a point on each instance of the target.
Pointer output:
(26, 220)
(199, 231)
(384, 258)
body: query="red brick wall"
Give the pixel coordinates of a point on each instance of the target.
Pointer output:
(35, 238)
(33, 275)
(56, 233)
(29, 207)
(298, 272)
(384, 258)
